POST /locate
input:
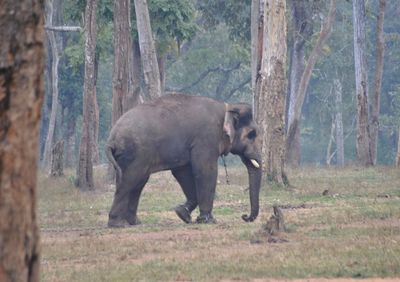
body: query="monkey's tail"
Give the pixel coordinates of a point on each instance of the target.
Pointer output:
(110, 157)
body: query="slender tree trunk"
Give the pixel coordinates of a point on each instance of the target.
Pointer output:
(85, 164)
(363, 145)
(21, 95)
(147, 50)
(380, 48)
(257, 30)
(398, 150)
(161, 66)
(137, 94)
(70, 140)
(295, 112)
(329, 154)
(339, 123)
(302, 31)
(271, 88)
(96, 117)
(55, 58)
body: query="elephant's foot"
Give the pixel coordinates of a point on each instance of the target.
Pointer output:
(206, 218)
(122, 222)
(183, 212)
(117, 223)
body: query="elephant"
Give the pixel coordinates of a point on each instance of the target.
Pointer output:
(186, 135)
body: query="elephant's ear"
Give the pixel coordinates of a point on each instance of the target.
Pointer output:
(229, 122)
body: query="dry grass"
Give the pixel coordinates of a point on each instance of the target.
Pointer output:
(354, 231)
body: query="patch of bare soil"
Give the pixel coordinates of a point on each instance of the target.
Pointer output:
(323, 280)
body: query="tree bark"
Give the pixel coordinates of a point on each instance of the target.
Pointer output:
(363, 145)
(85, 164)
(398, 150)
(57, 159)
(302, 31)
(271, 91)
(295, 112)
(147, 50)
(55, 56)
(380, 48)
(123, 88)
(339, 123)
(257, 30)
(21, 96)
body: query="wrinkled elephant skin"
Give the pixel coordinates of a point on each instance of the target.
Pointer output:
(184, 134)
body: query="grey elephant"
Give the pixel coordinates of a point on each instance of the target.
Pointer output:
(184, 134)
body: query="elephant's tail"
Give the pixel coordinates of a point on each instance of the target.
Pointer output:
(110, 157)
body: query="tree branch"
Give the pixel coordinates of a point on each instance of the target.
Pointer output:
(238, 87)
(63, 28)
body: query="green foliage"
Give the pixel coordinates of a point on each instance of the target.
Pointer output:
(234, 13)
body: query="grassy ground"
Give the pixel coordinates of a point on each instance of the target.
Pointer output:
(353, 231)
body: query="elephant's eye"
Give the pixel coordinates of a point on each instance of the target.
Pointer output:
(252, 134)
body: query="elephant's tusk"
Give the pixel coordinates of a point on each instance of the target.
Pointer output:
(255, 163)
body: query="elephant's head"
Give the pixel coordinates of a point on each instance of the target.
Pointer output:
(244, 141)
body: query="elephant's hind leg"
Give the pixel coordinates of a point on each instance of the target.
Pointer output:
(185, 178)
(126, 198)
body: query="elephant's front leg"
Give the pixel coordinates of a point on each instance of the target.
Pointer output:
(205, 171)
(185, 178)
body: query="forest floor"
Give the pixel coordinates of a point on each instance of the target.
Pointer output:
(340, 224)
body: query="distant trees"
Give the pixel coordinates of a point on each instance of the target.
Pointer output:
(21, 96)
(202, 48)
(297, 99)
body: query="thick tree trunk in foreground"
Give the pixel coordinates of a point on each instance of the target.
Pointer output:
(147, 50)
(85, 164)
(271, 91)
(295, 115)
(21, 95)
(376, 104)
(363, 145)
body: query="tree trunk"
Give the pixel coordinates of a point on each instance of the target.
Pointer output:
(55, 57)
(136, 76)
(85, 164)
(302, 31)
(257, 29)
(70, 141)
(398, 150)
(363, 145)
(21, 96)
(339, 123)
(329, 154)
(57, 159)
(96, 117)
(380, 47)
(293, 128)
(147, 50)
(271, 89)
(123, 88)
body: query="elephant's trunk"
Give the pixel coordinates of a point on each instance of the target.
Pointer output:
(254, 188)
